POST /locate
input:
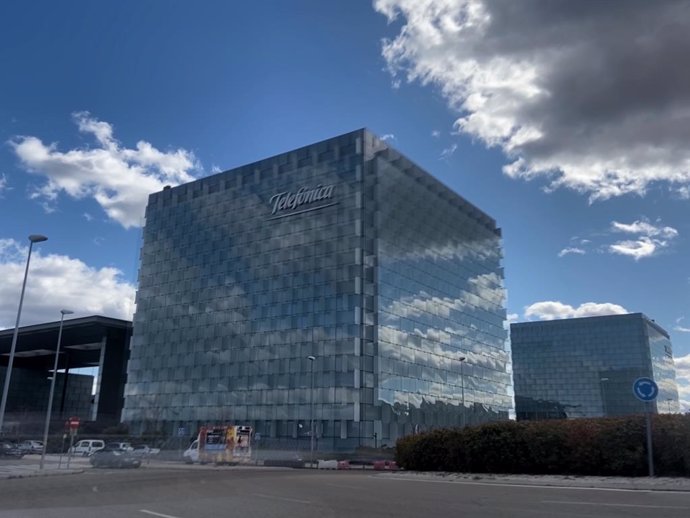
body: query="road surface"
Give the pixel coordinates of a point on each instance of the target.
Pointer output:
(268, 492)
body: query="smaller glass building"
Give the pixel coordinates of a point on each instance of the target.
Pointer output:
(585, 367)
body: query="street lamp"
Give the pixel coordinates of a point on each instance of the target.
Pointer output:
(33, 238)
(603, 396)
(63, 312)
(311, 412)
(462, 360)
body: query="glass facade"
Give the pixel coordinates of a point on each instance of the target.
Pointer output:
(28, 395)
(344, 251)
(585, 367)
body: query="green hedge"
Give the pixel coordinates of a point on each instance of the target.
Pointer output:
(598, 446)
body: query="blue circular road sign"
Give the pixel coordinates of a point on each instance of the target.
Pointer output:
(645, 389)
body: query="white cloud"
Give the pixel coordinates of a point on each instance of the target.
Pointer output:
(650, 240)
(678, 327)
(448, 152)
(683, 381)
(683, 364)
(118, 178)
(512, 317)
(571, 250)
(436, 133)
(88, 217)
(388, 137)
(56, 282)
(586, 94)
(3, 183)
(643, 247)
(645, 239)
(552, 310)
(646, 228)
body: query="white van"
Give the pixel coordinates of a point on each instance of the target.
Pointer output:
(86, 447)
(191, 454)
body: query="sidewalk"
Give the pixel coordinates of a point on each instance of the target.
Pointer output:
(571, 481)
(28, 466)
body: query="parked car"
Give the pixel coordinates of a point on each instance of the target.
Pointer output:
(119, 446)
(31, 446)
(145, 450)
(86, 447)
(10, 449)
(110, 457)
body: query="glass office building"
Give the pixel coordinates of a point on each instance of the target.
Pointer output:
(344, 251)
(585, 367)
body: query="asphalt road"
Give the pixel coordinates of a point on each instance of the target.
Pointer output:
(267, 493)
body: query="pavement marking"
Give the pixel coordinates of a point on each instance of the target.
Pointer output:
(507, 484)
(560, 502)
(152, 513)
(273, 497)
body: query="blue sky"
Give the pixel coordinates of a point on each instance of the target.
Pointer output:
(567, 125)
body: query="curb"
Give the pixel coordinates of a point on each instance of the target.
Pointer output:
(34, 474)
(661, 484)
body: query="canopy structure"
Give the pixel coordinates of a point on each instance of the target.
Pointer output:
(93, 341)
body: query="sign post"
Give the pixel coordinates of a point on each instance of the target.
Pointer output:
(62, 450)
(646, 390)
(181, 434)
(72, 424)
(257, 440)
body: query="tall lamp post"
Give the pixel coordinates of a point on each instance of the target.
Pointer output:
(63, 312)
(33, 238)
(462, 360)
(311, 359)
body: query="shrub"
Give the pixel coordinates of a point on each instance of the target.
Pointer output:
(596, 446)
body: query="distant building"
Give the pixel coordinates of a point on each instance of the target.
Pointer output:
(344, 251)
(585, 367)
(87, 342)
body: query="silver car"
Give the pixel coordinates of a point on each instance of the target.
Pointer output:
(31, 446)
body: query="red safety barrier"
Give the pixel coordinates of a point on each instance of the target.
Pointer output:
(385, 465)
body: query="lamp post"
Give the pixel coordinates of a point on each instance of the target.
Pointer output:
(33, 238)
(311, 359)
(605, 405)
(63, 312)
(462, 387)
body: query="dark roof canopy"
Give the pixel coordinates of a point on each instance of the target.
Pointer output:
(81, 341)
